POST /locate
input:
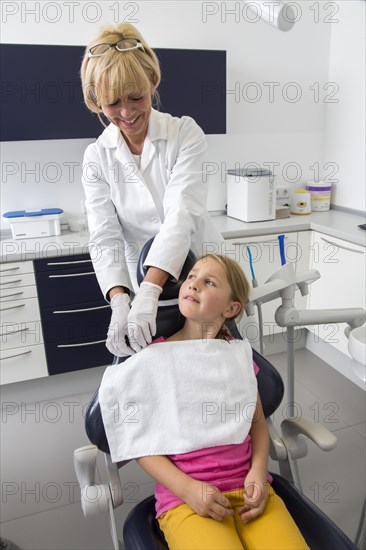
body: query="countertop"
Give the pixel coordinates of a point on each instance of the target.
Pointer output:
(335, 223)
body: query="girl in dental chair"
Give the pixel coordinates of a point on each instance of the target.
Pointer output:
(219, 497)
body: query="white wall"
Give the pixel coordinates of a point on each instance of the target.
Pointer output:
(344, 140)
(288, 128)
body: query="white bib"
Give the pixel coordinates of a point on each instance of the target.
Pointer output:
(177, 397)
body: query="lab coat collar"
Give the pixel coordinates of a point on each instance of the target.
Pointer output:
(157, 129)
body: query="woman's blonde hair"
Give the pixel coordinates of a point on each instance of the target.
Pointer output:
(116, 74)
(240, 287)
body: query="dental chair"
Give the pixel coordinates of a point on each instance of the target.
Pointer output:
(141, 530)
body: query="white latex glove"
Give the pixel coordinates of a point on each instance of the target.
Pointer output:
(142, 317)
(117, 331)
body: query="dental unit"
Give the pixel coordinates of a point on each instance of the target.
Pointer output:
(283, 284)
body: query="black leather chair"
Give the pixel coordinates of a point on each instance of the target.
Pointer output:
(141, 530)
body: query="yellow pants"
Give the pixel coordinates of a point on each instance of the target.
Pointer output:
(273, 530)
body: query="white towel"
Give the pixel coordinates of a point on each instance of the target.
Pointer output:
(177, 397)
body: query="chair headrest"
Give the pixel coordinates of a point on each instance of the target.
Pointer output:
(172, 286)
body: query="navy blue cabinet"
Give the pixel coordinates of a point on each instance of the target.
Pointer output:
(74, 314)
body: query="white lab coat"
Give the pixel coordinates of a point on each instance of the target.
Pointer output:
(166, 196)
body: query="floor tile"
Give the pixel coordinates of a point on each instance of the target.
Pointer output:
(337, 401)
(335, 480)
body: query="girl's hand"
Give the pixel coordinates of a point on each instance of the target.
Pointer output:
(255, 495)
(207, 501)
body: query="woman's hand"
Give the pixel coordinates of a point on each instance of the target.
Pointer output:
(207, 501)
(142, 316)
(255, 494)
(117, 331)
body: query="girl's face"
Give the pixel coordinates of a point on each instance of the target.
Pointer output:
(205, 295)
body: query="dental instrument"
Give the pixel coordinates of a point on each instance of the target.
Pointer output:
(281, 241)
(259, 307)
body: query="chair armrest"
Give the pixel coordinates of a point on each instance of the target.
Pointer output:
(98, 497)
(95, 497)
(85, 460)
(277, 449)
(292, 430)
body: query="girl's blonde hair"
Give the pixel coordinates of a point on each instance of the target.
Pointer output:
(116, 75)
(240, 287)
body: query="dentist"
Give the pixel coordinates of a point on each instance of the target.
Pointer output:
(143, 178)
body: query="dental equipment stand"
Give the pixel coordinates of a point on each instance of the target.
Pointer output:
(283, 283)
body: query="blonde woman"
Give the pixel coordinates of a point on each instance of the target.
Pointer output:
(142, 178)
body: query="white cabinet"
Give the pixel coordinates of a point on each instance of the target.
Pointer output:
(22, 354)
(342, 283)
(266, 260)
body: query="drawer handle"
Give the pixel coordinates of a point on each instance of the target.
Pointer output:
(80, 345)
(14, 332)
(16, 355)
(258, 242)
(10, 282)
(71, 275)
(343, 247)
(13, 294)
(69, 263)
(9, 269)
(11, 307)
(81, 310)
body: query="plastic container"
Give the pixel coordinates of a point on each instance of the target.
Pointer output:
(251, 198)
(320, 195)
(300, 202)
(34, 223)
(79, 225)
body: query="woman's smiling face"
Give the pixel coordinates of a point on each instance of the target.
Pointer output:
(131, 115)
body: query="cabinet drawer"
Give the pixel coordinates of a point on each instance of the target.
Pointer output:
(16, 268)
(85, 354)
(66, 324)
(19, 311)
(26, 363)
(16, 281)
(22, 293)
(18, 335)
(67, 287)
(63, 262)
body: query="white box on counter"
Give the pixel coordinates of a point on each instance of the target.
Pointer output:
(34, 223)
(251, 199)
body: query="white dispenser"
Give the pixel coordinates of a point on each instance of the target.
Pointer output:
(251, 198)
(29, 224)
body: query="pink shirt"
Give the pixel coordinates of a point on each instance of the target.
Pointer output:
(224, 466)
